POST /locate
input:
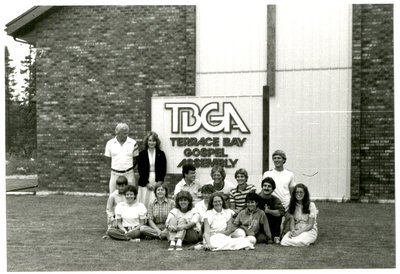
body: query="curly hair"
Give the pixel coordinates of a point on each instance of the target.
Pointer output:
(155, 137)
(181, 196)
(131, 188)
(207, 189)
(270, 181)
(252, 196)
(121, 126)
(219, 169)
(305, 201)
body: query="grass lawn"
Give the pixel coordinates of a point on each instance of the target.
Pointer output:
(64, 233)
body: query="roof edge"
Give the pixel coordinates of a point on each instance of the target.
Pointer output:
(30, 16)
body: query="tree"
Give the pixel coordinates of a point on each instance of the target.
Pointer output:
(29, 104)
(21, 108)
(9, 91)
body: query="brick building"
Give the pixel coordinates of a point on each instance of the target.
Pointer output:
(99, 65)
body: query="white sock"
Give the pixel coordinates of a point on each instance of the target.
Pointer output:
(179, 242)
(172, 242)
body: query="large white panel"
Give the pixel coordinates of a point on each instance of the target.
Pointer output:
(313, 36)
(248, 155)
(310, 120)
(310, 114)
(231, 49)
(231, 83)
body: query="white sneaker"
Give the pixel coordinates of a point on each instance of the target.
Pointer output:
(199, 247)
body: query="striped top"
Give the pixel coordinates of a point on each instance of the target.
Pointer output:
(238, 197)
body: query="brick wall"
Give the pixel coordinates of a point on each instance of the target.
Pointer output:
(94, 67)
(372, 163)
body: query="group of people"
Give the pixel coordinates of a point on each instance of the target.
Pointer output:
(217, 215)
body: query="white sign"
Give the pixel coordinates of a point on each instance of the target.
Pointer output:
(207, 118)
(208, 131)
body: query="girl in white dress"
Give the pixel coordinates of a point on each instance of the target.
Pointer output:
(303, 219)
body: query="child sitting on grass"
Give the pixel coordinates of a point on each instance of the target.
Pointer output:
(116, 197)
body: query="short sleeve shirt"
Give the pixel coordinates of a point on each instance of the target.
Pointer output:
(193, 189)
(283, 180)
(114, 199)
(273, 203)
(121, 156)
(228, 186)
(158, 212)
(301, 219)
(239, 197)
(201, 208)
(130, 214)
(218, 220)
(192, 216)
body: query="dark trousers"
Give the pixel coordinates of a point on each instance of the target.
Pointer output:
(274, 225)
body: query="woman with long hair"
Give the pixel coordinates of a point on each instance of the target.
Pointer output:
(303, 219)
(152, 167)
(218, 226)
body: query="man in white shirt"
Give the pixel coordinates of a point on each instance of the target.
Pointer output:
(189, 183)
(284, 179)
(121, 155)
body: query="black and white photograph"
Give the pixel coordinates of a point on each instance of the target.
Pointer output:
(198, 135)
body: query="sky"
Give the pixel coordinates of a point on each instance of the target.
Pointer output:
(17, 50)
(10, 12)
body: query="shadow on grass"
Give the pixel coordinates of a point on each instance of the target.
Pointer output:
(64, 233)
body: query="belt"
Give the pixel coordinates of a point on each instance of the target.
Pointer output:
(122, 171)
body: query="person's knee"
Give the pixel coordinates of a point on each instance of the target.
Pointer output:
(173, 222)
(252, 239)
(238, 233)
(192, 236)
(146, 230)
(261, 238)
(134, 233)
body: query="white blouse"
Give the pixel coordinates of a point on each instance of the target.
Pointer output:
(218, 221)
